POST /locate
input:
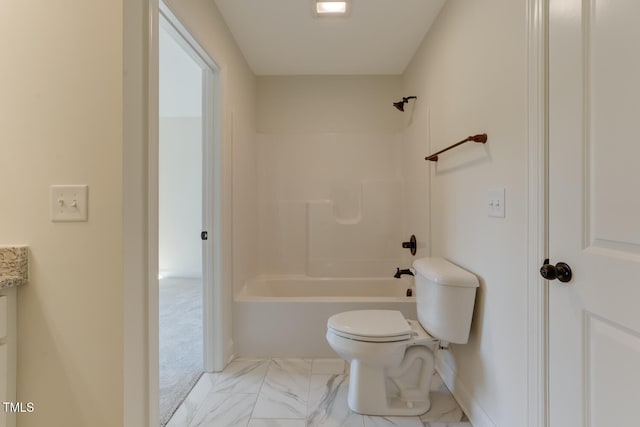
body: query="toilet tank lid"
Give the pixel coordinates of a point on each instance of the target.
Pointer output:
(443, 272)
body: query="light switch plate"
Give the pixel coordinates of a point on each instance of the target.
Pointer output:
(495, 202)
(69, 203)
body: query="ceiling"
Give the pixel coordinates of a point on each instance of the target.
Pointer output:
(282, 37)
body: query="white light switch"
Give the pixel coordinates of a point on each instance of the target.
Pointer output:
(495, 202)
(69, 203)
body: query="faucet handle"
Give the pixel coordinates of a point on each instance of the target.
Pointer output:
(411, 244)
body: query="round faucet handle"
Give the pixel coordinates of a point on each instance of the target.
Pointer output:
(411, 244)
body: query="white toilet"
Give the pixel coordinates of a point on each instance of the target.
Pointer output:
(392, 358)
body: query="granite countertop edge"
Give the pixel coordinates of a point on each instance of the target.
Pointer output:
(13, 265)
(11, 281)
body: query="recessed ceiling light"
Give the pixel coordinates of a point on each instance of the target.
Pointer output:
(331, 7)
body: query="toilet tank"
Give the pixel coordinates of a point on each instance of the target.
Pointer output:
(445, 295)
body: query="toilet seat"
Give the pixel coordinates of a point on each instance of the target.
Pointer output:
(371, 326)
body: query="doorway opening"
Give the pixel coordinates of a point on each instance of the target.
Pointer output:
(179, 222)
(187, 239)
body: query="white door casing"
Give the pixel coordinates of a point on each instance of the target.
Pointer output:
(594, 212)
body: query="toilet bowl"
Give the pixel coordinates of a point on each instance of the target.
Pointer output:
(380, 383)
(392, 359)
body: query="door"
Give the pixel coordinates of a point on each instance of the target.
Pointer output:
(594, 212)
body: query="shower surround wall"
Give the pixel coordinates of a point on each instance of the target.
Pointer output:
(329, 176)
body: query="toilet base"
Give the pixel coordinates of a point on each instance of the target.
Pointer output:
(395, 407)
(368, 388)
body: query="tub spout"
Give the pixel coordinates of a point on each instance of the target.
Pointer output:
(399, 272)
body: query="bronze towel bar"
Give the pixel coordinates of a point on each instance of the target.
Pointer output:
(481, 137)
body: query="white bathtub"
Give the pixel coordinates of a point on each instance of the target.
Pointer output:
(286, 316)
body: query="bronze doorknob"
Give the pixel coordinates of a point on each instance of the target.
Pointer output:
(560, 271)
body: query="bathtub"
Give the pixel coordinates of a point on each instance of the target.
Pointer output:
(286, 316)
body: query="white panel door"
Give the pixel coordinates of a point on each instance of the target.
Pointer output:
(594, 212)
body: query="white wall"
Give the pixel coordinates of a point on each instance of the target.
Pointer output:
(180, 161)
(61, 114)
(329, 175)
(180, 198)
(470, 77)
(328, 104)
(180, 79)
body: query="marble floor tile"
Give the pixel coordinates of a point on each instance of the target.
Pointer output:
(241, 376)
(285, 389)
(272, 422)
(295, 393)
(328, 405)
(447, 424)
(224, 410)
(328, 366)
(189, 407)
(370, 421)
(181, 417)
(443, 408)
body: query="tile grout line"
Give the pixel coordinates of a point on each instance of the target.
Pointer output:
(264, 378)
(306, 413)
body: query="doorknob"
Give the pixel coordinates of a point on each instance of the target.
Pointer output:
(560, 271)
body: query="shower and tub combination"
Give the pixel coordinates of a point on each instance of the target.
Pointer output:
(331, 240)
(350, 265)
(286, 316)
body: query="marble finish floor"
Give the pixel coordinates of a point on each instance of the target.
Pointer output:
(295, 393)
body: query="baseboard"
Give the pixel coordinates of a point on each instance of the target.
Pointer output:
(168, 274)
(469, 405)
(229, 351)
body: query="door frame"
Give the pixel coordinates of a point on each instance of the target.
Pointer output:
(141, 19)
(215, 324)
(537, 212)
(140, 222)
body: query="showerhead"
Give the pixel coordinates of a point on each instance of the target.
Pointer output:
(400, 104)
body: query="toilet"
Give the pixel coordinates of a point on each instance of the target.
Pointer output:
(392, 359)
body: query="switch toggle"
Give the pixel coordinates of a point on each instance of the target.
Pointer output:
(69, 203)
(495, 206)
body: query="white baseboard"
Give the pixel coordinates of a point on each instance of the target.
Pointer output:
(229, 351)
(446, 368)
(170, 274)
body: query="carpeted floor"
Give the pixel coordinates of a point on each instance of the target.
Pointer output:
(181, 348)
